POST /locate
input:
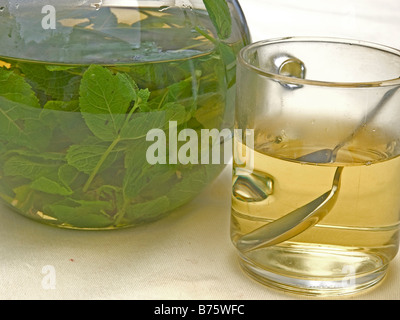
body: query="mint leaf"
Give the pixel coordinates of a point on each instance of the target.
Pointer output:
(193, 180)
(58, 68)
(22, 199)
(57, 83)
(13, 87)
(70, 106)
(104, 101)
(141, 178)
(35, 156)
(86, 157)
(82, 214)
(37, 133)
(67, 174)
(220, 15)
(143, 122)
(176, 112)
(107, 101)
(144, 95)
(20, 114)
(66, 118)
(147, 211)
(46, 185)
(31, 168)
(229, 58)
(11, 113)
(135, 164)
(21, 119)
(211, 111)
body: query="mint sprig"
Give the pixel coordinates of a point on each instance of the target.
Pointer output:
(220, 16)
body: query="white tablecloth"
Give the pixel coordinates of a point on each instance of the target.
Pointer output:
(187, 255)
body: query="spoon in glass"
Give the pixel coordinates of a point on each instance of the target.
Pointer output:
(329, 155)
(293, 223)
(310, 214)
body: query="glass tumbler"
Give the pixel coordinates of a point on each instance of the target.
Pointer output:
(316, 193)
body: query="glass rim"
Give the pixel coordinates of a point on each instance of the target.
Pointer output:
(299, 81)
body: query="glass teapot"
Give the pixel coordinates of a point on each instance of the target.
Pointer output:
(93, 95)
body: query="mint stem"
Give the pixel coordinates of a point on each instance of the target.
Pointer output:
(129, 116)
(100, 163)
(120, 215)
(206, 35)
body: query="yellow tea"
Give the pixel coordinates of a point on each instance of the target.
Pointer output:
(353, 243)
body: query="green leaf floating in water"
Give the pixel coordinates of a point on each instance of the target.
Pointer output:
(108, 103)
(53, 81)
(19, 102)
(85, 157)
(49, 186)
(148, 210)
(82, 214)
(220, 16)
(30, 168)
(104, 101)
(14, 88)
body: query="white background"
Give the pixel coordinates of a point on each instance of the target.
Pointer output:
(189, 254)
